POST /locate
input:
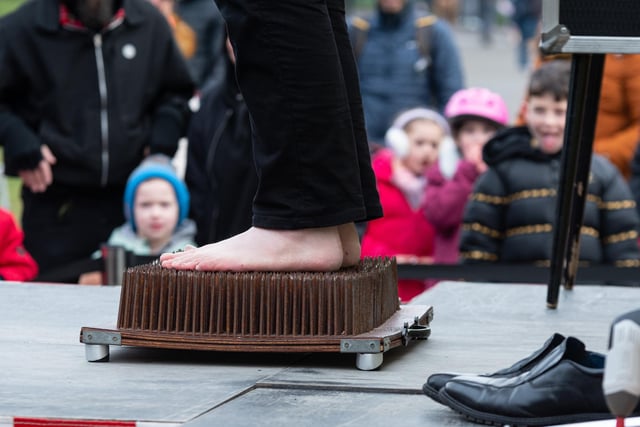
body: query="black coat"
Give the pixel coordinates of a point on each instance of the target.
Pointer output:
(97, 100)
(512, 211)
(221, 173)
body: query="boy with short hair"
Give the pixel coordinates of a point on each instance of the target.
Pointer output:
(511, 214)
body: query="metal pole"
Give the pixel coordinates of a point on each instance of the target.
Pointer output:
(582, 111)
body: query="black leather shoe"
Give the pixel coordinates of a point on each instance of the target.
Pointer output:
(436, 381)
(564, 387)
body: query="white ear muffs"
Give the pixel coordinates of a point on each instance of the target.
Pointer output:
(398, 141)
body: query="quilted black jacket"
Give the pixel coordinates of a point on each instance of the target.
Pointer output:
(511, 213)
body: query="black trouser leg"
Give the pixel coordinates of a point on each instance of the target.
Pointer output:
(312, 169)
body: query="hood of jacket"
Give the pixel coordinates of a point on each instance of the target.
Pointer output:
(510, 143)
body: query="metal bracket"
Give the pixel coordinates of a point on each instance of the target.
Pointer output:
(364, 345)
(554, 40)
(101, 337)
(415, 332)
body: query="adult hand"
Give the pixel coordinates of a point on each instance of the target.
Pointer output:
(38, 179)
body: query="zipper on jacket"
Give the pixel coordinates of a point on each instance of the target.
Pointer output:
(104, 113)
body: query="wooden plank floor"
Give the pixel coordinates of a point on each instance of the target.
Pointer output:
(476, 328)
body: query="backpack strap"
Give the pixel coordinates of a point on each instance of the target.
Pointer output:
(424, 34)
(359, 33)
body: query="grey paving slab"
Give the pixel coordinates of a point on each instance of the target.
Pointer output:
(45, 373)
(323, 408)
(476, 328)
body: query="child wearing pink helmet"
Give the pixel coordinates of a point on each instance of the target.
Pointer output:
(474, 115)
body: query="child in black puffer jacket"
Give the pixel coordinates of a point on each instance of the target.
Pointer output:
(511, 213)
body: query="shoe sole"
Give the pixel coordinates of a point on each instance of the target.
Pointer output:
(432, 393)
(499, 420)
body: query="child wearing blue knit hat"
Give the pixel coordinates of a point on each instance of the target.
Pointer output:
(156, 205)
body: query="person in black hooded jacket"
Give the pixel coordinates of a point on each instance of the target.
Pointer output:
(511, 213)
(221, 173)
(87, 89)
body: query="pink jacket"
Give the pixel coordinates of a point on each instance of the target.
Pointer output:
(446, 200)
(401, 231)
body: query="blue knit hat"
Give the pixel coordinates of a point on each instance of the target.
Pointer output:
(155, 166)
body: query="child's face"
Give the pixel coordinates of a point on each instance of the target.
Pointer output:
(472, 136)
(424, 139)
(546, 119)
(156, 211)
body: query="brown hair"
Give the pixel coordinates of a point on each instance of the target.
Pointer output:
(551, 78)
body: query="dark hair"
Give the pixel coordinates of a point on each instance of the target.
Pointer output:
(552, 78)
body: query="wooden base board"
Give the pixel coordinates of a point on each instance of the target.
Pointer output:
(409, 322)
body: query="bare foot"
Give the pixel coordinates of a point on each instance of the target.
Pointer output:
(260, 249)
(350, 244)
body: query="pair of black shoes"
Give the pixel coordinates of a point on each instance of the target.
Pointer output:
(559, 383)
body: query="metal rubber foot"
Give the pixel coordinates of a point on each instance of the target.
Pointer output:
(369, 361)
(96, 352)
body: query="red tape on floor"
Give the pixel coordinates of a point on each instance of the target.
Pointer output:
(50, 422)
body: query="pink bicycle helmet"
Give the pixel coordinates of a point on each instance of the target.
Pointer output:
(479, 103)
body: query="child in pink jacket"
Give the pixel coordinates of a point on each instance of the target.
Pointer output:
(404, 232)
(474, 115)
